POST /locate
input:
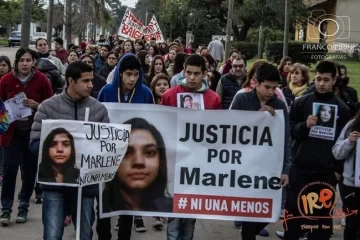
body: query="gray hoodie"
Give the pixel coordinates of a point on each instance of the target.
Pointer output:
(344, 149)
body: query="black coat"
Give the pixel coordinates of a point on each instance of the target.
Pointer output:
(309, 152)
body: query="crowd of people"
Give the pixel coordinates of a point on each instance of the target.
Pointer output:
(61, 83)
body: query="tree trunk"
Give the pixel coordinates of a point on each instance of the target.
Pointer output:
(25, 23)
(244, 31)
(261, 41)
(68, 21)
(236, 32)
(50, 21)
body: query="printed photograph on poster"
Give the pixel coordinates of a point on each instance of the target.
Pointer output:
(326, 124)
(143, 181)
(191, 101)
(77, 153)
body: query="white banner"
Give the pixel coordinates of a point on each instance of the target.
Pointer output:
(212, 164)
(132, 28)
(16, 109)
(77, 153)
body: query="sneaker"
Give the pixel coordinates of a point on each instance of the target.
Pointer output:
(21, 217)
(158, 223)
(279, 234)
(237, 224)
(116, 228)
(38, 199)
(263, 233)
(139, 225)
(5, 218)
(343, 222)
(67, 221)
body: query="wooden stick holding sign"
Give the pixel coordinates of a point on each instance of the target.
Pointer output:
(78, 212)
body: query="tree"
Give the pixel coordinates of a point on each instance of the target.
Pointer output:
(25, 23)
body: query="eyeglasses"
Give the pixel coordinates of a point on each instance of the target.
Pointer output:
(42, 45)
(238, 66)
(112, 58)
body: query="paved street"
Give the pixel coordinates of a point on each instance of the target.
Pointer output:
(205, 230)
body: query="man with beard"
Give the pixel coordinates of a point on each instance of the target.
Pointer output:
(230, 83)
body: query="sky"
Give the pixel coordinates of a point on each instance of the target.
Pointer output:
(129, 3)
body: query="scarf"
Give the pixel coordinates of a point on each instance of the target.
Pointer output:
(297, 91)
(26, 79)
(43, 55)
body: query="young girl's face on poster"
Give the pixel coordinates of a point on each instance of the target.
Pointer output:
(140, 166)
(161, 86)
(325, 113)
(60, 149)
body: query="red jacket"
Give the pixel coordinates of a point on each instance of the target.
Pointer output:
(211, 99)
(62, 54)
(37, 89)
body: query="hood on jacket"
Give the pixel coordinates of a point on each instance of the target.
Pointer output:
(44, 65)
(118, 78)
(204, 85)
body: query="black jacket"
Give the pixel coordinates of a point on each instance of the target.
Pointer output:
(250, 102)
(105, 70)
(311, 153)
(98, 83)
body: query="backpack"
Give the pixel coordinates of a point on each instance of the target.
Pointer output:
(45, 66)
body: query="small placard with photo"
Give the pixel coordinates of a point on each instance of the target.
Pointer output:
(326, 124)
(190, 100)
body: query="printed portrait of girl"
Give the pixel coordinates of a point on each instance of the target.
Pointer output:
(141, 180)
(58, 158)
(326, 116)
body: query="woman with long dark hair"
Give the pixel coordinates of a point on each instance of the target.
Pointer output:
(345, 148)
(58, 159)
(127, 191)
(144, 58)
(213, 76)
(326, 116)
(284, 69)
(25, 78)
(5, 65)
(128, 47)
(141, 180)
(157, 66)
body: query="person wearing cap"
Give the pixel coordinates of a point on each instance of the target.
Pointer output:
(61, 53)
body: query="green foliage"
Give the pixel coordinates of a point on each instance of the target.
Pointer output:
(270, 35)
(249, 49)
(301, 52)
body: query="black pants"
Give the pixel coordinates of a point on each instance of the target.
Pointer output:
(103, 227)
(251, 229)
(298, 179)
(351, 202)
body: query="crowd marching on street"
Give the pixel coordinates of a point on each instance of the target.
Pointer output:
(61, 83)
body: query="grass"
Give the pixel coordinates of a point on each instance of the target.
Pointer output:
(3, 42)
(353, 69)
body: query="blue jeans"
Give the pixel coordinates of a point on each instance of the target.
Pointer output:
(18, 155)
(180, 229)
(54, 213)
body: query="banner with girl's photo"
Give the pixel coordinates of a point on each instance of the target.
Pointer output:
(77, 153)
(213, 164)
(326, 121)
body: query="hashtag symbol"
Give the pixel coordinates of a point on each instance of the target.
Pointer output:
(182, 203)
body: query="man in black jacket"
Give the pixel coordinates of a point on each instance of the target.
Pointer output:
(313, 161)
(263, 98)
